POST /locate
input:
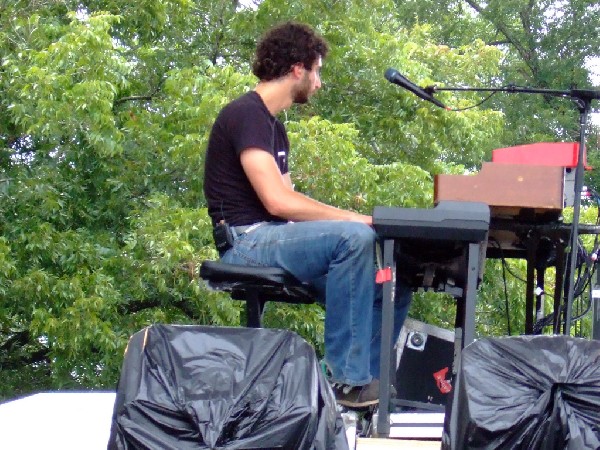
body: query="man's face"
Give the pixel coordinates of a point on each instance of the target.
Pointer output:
(311, 81)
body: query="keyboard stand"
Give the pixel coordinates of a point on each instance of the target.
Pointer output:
(465, 294)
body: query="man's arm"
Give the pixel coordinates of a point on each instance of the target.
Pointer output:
(278, 197)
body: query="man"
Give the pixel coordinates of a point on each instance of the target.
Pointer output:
(248, 186)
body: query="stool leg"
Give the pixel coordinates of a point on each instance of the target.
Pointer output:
(254, 310)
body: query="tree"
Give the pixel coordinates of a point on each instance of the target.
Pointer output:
(546, 44)
(105, 110)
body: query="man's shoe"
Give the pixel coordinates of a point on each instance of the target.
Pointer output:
(357, 396)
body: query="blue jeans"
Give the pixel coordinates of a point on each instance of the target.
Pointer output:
(338, 258)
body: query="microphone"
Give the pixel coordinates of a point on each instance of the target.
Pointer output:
(393, 76)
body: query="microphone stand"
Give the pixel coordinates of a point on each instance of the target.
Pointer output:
(583, 98)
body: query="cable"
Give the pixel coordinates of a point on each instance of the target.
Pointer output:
(506, 304)
(431, 89)
(585, 272)
(473, 106)
(505, 268)
(582, 279)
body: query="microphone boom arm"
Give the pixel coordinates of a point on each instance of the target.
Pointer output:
(578, 94)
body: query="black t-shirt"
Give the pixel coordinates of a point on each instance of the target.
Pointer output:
(244, 123)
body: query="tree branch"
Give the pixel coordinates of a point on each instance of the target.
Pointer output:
(15, 342)
(19, 362)
(19, 338)
(528, 55)
(499, 42)
(133, 98)
(137, 306)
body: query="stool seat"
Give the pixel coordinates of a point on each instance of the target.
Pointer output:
(256, 286)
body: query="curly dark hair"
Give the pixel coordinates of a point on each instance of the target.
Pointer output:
(285, 45)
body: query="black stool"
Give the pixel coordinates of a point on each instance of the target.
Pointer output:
(256, 286)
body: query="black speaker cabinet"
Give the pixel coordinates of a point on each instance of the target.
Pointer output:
(526, 392)
(424, 355)
(193, 387)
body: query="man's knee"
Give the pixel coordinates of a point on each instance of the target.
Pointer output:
(359, 232)
(351, 238)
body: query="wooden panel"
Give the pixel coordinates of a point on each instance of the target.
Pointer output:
(507, 188)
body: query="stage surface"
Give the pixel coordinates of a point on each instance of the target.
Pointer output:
(81, 420)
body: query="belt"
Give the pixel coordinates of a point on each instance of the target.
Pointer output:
(245, 228)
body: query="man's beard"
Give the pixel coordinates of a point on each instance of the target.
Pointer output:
(302, 92)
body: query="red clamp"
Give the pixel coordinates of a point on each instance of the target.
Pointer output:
(443, 385)
(383, 275)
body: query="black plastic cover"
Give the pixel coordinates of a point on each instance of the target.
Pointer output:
(197, 387)
(527, 392)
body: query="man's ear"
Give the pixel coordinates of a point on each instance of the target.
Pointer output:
(297, 70)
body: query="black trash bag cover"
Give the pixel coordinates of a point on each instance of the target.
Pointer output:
(527, 392)
(197, 387)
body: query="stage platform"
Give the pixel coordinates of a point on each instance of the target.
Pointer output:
(81, 420)
(396, 444)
